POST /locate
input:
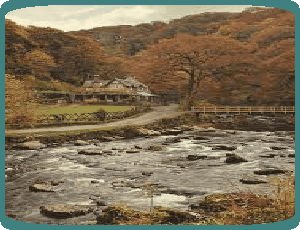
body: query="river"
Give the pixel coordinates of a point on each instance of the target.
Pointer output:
(179, 180)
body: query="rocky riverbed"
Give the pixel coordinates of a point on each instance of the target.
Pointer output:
(72, 182)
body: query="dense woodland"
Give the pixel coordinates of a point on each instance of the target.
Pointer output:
(225, 58)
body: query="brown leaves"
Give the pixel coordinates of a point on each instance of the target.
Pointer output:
(17, 98)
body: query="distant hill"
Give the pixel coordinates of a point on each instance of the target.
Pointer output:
(259, 42)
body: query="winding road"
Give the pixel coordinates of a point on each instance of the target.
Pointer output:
(157, 113)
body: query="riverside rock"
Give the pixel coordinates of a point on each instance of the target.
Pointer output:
(81, 143)
(148, 132)
(208, 207)
(172, 132)
(171, 140)
(31, 145)
(64, 210)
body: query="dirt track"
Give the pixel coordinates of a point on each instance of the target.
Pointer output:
(158, 113)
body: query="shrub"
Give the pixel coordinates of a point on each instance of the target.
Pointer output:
(100, 114)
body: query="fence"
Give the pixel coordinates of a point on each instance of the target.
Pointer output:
(244, 109)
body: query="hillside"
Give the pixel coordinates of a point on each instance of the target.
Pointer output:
(250, 56)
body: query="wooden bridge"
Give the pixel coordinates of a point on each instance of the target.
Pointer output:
(244, 109)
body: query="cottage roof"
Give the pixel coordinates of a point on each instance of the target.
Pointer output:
(146, 94)
(88, 83)
(130, 81)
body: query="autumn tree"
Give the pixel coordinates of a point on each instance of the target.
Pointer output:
(39, 62)
(195, 57)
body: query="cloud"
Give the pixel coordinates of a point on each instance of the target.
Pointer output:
(126, 15)
(72, 18)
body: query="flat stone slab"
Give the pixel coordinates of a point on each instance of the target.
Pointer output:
(200, 138)
(250, 180)
(223, 147)
(90, 152)
(172, 132)
(132, 151)
(171, 140)
(269, 171)
(277, 148)
(41, 187)
(148, 132)
(155, 148)
(268, 155)
(31, 145)
(81, 143)
(133, 184)
(195, 157)
(64, 210)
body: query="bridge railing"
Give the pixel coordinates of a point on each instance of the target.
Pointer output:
(244, 109)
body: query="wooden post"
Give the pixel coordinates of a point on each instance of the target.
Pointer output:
(274, 110)
(193, 108)
(215, 110)
(284, 109)
(239, 110)
(250, 109)
(204, 109)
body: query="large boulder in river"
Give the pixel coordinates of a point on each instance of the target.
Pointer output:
(235, 159)
(31, 145)
(64, 210)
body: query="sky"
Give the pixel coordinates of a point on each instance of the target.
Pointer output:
(77, 17)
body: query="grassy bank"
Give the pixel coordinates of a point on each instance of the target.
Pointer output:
(72, 109)
(237, 209)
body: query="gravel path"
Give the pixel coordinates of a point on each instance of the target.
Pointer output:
(158, 113)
